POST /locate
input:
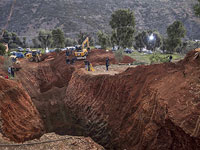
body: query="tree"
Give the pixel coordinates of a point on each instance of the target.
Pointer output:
(69, 42)
(154, 40)
(172, 44)
(2, 49)
(197, 8)
(24, 42)
(175, 32)
(58, 38)
(140, 40)
(36, 43)
(16, 39)
(45, 38)
(143, 40)
(11, 39)
(103, 39)
(7, 37)
(122, 23)
(82, 36)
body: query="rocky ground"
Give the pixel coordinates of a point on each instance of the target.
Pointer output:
(51, 141)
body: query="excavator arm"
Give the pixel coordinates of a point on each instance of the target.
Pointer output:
(84, 42)
(84, 51)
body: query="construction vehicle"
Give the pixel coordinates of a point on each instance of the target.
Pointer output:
(34, 56)
(15, 63)
(81, 51)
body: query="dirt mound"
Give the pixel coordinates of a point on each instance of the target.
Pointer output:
(21, 120)
(147, 107)
(98, 57)
(127, 60)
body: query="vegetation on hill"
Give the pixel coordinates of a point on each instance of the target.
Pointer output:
(93, 15)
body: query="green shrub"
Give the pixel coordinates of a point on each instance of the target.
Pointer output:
(156, 58)
(2, 49)
(57, 50)
(139, 63)
(119, 55)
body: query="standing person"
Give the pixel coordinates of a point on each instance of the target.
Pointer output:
(73, 60)
(170, 58)
(107, 63)
(12, 72)
(9, 71)
(67, 60)
(88, 66)
(67, 53)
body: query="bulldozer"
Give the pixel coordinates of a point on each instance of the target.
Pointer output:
(34, 56)
(81, 52)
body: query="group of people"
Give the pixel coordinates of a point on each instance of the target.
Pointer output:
(11, 71)
(88, 64)
(68, 61)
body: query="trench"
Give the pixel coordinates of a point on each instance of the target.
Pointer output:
(61, 119)
(72, 109)
(79, 119)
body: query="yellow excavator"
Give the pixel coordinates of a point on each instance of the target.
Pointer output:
(81, 51)
(34, 56)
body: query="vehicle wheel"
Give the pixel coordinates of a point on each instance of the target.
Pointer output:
(31, 59)
(39, 59)
(36, 60)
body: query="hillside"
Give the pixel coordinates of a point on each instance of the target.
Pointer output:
(91, 15)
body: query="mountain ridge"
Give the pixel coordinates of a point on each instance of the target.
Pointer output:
(29, 16)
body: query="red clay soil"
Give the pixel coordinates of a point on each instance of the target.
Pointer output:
(2, 72)
(98, 57)
(21, 120)
(46, 83)
(1, 59)
(147, 107)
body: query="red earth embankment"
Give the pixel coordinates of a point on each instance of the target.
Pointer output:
(98, 57)
(3, 73)
(147, 107)
(46, 83)
(20, 119)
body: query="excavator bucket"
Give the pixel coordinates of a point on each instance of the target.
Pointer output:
(91, 67)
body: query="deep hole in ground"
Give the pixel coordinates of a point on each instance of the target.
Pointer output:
(147, 107)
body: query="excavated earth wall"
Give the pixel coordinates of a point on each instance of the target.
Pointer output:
(147, 107)
(47, 81)
(20, 120)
